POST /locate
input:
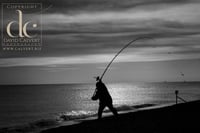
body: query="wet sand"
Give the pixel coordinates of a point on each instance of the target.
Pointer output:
(181, 118)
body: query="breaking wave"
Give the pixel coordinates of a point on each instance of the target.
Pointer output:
(37, 126)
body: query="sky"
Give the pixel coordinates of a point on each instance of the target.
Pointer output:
(80, 37)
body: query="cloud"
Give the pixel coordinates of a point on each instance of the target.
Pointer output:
(48, 61)
(77, 6)
(64, 63)
(80, 29)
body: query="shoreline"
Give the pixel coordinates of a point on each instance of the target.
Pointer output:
(164, 118)
(64, 120)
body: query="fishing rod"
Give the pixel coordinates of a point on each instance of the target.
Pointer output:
(125, 46)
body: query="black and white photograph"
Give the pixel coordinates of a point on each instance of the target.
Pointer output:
(99, 66)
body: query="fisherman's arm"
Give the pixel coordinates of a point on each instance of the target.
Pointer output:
(95, 95)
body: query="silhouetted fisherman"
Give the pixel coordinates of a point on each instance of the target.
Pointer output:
(104, 97)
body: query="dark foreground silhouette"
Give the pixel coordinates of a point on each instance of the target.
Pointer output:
(105, 100)
(181, 118)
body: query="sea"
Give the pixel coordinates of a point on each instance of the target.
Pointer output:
(32, 108)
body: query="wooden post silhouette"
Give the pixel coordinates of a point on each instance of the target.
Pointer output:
(176, 93)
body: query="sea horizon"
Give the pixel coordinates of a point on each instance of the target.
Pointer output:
(195, 81)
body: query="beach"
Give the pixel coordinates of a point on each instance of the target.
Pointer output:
(181, 118)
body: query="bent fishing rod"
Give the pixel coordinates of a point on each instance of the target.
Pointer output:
(125, 46)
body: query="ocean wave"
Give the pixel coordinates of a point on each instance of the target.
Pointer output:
(76, 115)
(37, 126)
(81, 114)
